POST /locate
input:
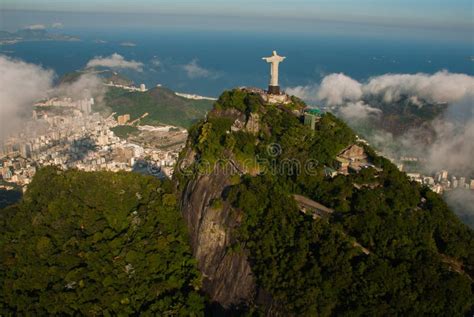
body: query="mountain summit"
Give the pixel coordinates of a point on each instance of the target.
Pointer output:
(289, 214)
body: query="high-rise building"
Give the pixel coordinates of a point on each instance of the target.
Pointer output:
(462, 182)
(455, 182)
(444, 174)
(25, 150)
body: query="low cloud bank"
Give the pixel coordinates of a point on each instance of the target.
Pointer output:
(337, 89)
(194, 70)
(115, 61)
(86, 86)
(308, 93)
(23, 84)
(358, 111)
(440, 87)
(340, 90)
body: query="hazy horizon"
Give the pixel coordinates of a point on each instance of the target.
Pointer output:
(447, 21)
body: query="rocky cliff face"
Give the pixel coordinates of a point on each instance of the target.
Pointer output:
(227, 276)
(212, 222)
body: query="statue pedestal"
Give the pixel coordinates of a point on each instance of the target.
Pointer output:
(274, 90)
(282, 99)
(267, 97)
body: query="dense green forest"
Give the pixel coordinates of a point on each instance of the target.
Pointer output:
(420, 257)
(96, 244)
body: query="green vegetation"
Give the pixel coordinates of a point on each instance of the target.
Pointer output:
(240, 100)
(96, 244)
(114, 243)
(161, 104)
(212, 140)
(106, 75)
(70, 77)
(124, 131)
(420, 257)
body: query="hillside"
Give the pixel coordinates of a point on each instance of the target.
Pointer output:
(277, 224)
(403, 115)
(405, 127)
(106, 75)
(162, 105)
(379, 245)
(96, 244)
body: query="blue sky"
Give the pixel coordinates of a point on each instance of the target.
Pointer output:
(424, 13)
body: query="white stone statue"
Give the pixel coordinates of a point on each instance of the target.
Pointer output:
(275, 61)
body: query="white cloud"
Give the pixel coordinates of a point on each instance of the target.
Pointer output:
(22, 84)
(337, 89)
(308, 93)
(194, 70)
(57, 25)
(115, 61)
(453, 145)
(35, 27)
(358, 111)
(453, 148)
(86, 86)
(439, 87)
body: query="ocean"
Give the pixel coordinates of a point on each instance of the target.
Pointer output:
(225, 59)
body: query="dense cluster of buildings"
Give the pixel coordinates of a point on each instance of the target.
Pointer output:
(142, 87)
(77, 139)
(442, 181)
(194, 97)
(83, 105)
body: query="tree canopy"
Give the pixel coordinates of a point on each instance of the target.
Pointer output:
(97, 243)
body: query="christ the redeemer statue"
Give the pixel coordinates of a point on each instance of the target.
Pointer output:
(275, 61)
